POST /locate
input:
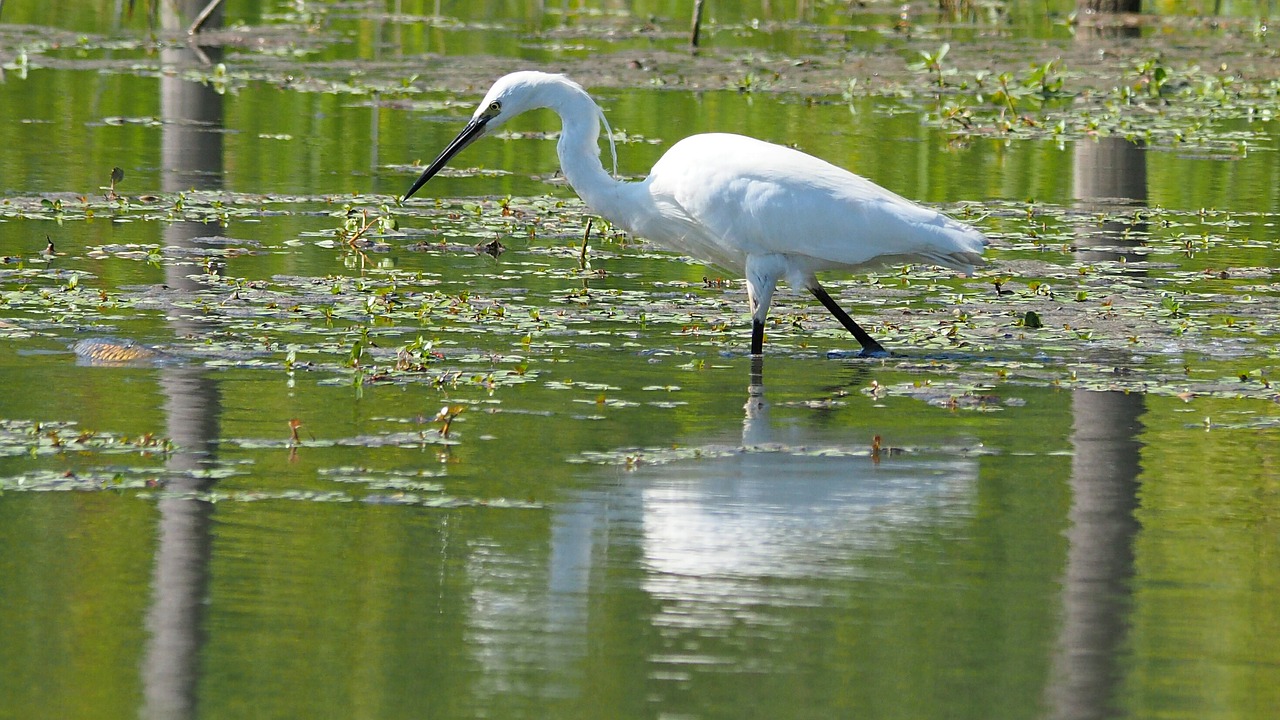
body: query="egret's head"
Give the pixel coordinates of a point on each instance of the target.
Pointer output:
(518, 92)
(510, 95)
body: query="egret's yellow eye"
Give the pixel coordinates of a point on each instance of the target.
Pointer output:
(495, 107)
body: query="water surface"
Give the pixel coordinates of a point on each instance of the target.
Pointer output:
(263, 514)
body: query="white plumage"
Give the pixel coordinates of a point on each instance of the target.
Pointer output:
(766, 211)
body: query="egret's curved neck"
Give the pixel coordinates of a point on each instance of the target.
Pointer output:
(580, 154)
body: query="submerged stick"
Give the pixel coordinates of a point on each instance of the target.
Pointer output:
(203, 16)
(582, 257)
(697, 25)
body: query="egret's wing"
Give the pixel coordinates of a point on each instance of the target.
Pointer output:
(746, 196)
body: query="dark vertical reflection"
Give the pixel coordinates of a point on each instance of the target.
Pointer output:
(191, 137)
(1096, 594)
(1101, 19)
(375, 102)
(1110, 168)
(1109, 176)
(191, 157)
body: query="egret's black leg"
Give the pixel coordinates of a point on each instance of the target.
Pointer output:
(757, 337)
(870, 348)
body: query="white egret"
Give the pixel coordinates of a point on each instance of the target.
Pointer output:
(769, 212)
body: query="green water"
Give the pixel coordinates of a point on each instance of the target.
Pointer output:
(623, 518)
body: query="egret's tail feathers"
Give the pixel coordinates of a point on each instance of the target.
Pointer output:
(964, 252)
(963, 262)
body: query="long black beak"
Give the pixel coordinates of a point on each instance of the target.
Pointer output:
(473, 130)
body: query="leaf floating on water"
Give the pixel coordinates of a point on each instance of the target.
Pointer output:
(25, 437)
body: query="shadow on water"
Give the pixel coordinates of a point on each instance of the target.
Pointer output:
(191, 157)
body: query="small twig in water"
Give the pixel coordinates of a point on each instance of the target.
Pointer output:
(363, 229)
(582, 256)
(117, 175)
(203, 16)
(446, 416)
(696, 28)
